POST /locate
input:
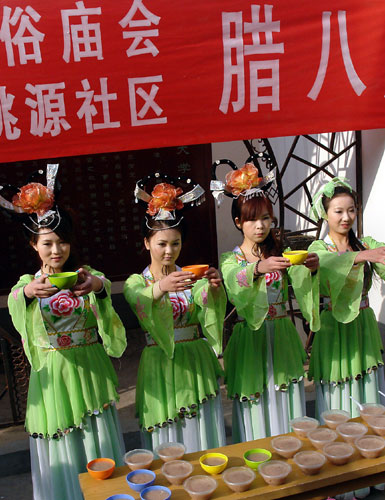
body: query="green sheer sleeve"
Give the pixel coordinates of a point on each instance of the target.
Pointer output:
(249, 296)
(306, 291)
(28, 322)
(155, 316)
(211, 309)
(340, 279)
(110, 327)
(372, 243)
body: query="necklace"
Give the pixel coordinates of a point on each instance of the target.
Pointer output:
(348, 249)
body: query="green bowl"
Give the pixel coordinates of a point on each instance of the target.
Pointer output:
(252, 463)
(63, 280)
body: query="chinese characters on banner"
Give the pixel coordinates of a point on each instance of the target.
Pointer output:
(93, 76)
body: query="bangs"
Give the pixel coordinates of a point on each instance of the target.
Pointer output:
(253, 208)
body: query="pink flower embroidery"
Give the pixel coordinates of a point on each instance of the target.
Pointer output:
(179, 306)
(272, 313)
(271, 277)
(64, 340)
(140, 310)
(242, 279)
(15, 293)
(95, 311)
(64, 304)
(204, 296)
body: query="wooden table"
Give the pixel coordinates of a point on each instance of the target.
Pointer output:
(333, 479)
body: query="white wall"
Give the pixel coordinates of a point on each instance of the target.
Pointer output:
(373, 159)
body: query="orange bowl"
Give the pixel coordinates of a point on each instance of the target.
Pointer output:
(101, 468)
(198, 269)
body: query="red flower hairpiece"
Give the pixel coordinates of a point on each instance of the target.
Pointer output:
(243, 179)
(164, 196)
(34, 198)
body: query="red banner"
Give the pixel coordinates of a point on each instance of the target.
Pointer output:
(95, 76)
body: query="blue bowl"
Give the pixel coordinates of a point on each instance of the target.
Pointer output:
(121, 496)
(140, 486)
(152, 488)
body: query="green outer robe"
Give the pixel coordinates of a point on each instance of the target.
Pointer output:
(176, 376)
(67, 385)
(348, 343)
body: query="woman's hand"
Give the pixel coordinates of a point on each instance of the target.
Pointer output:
(177, 281)
(87, 283)
(273, 264)
(312, 262)
(375, 255)
(213, 276)
(40, 288)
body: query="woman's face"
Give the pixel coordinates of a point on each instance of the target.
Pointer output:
(164, 246)
(256, 231)
(341, 214)
(52, 250)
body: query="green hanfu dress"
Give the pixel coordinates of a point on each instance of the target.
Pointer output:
(346, 358)
(264, 357)
(71, 414)
(177, 392)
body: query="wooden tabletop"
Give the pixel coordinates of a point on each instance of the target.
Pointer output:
(333, 479)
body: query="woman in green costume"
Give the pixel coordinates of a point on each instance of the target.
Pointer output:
(346, 357)
(177, 393)
(264, 357)
(71, 414)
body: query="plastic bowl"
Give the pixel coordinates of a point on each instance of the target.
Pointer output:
(302, 425)
(310, 462)
(170, 451)
(238, 478)
(101, 468)
(370, 446)
(321, 436)
(296, 256)
(198, 269)
(370, 410)
(63, 280)
(161, 490)
(213, 463)
(253, 454)
(332, 418)
(350, 431)
(200, 487)
(134, 479)
(338, 453)
(377, 424)
(274, 472)
(286, 446)
(177, 471)
(121, 496)
(139, 459)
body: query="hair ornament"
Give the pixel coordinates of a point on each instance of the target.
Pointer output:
(167, 197)
(246, 181)
(317, 208)
(36, 199)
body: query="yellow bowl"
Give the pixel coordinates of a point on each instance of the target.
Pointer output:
(213, 469)
(296, 256)
(253, 464)
(63, 280)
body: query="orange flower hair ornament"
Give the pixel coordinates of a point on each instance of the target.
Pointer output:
(164, 197)
(167, 197)
(243, 179)
(35, 198)
(246, 181)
